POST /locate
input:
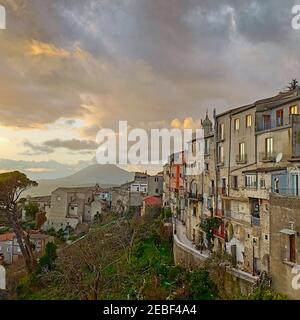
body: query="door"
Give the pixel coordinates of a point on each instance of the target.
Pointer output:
(292, 248)
(295, 185)
(266, 121)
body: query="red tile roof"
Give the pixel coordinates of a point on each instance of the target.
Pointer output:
(7, 237)
(152, 201)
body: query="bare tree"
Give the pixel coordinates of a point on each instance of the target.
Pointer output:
(12, 185)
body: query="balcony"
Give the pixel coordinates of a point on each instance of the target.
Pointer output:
(195, 196)
(237, 216)
(272, 123)
(211, 191)
(255, 221)
(241, 159)
(267, 157)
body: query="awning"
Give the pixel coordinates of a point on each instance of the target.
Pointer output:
(289, 232)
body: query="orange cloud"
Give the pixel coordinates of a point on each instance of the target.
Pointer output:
(187, 123)
(38, 48)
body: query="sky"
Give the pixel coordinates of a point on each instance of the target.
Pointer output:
(71, 67)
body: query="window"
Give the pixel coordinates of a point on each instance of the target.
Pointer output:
(292, 240)
(221, 154)
(251, 181)
(236, 124)
(294, 110)
(248, 121)
(279, 118)
(206, 146)
(194, 148)
(269, 147)
(221, 131)
(194, 211)
(242, 154)
(206, 166)
(262, 183)
(266, 122)
(156, 191)
(234, 182)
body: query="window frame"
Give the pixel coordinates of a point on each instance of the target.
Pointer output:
(248, 116)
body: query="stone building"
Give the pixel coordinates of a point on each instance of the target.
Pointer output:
(73, 206)
(252, 166)
(285, 244)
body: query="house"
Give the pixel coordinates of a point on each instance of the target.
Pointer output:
(73, 206)
(149, 204)
(10, 249)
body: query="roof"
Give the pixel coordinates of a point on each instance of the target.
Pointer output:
(152, 201)
(266, 169)
(40, 199)
(39, 236)
(7, 237)
(267, 103)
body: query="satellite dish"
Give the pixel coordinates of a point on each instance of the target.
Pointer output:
(279, 157)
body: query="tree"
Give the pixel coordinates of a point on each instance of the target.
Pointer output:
(293, 85)
(31, 210)
(12, 185)
(47, 261)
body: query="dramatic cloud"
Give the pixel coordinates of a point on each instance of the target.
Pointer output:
(153, 63)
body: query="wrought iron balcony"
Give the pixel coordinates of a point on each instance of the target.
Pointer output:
(195, 196)
(267, 156)
(241, 158)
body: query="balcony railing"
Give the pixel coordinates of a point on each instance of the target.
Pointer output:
(255, 221)
(241, 159)
(195, 196)
(272, 123)
(267, 157)
(237, 216)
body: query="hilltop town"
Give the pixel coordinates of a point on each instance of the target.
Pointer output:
(243, 207)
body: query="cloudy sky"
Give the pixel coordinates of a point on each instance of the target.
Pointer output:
(71, 67)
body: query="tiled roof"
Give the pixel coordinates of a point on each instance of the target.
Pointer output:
(151, 201)
(7, 237)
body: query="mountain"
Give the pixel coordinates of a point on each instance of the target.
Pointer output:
(104, 175)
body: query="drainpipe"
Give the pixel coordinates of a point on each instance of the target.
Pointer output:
(229, 157)
(216, 159)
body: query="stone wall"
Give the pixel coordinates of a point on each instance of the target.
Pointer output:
(236, 283)
(284, 214)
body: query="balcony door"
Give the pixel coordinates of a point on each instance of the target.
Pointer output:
(279, 118)
(295, 184)
(267, 121)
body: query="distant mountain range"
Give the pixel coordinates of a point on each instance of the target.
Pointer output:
(104, 175)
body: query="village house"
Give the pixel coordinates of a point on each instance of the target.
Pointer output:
(10, 249)
(150, 204)
(73, 206)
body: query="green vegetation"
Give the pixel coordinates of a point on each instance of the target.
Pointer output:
(130, 258)
(123, 259)
(31, 210)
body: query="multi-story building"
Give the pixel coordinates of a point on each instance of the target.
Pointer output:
(252, 164)
(166, 186)
(177, 184)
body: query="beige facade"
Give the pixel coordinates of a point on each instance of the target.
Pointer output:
(254, 156)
